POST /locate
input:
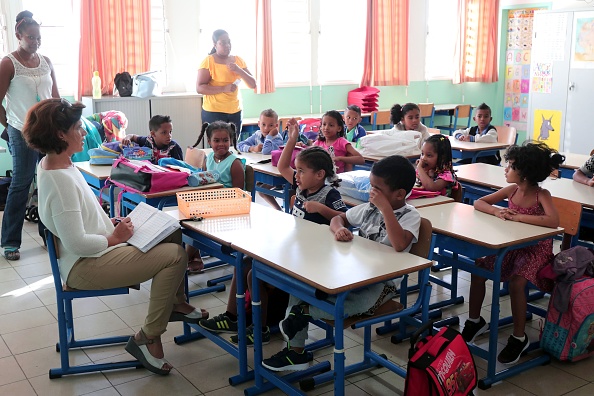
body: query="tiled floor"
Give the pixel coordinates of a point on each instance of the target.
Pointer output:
(28, 333)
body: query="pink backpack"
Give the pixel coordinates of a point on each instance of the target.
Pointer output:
(144, 177)
(277, 153)
(570, 335)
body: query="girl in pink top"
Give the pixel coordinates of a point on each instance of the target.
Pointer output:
(332, 139)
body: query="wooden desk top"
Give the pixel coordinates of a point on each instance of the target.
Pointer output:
(494, 177)
(574, 161)
(101, 172)
(308, 251)
(268, 169)
(254, 120)
(448, 106)
(463, 222)
(475, 146)
(485, 175)
(417, 203)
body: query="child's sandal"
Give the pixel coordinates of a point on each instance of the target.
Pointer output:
(196, 265)
(12, 254)
(138, 349)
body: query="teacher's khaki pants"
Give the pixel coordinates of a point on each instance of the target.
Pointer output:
(165, 264)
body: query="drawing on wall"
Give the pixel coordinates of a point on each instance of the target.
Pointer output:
(547, 127)
(542, 77)
(583, 42)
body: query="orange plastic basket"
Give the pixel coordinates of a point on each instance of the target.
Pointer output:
(211, 203)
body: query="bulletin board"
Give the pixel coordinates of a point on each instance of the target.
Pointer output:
(517, 68)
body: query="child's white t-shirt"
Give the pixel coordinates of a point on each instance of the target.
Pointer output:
(372, 226)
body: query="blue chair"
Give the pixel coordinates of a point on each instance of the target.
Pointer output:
(64, 297)
(380, 118)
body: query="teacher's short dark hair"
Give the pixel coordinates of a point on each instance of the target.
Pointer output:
(46, 119)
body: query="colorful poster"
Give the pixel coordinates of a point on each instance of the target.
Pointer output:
(542, 77)
(517, 67)
(547, 127)
(583, 42)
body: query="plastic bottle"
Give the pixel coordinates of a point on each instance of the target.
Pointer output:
(96, 81)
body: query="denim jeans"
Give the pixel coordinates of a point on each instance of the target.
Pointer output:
(235, 118)
(24, 161)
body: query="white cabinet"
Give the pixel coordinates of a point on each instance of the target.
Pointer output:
(562, 72)
(184, 110)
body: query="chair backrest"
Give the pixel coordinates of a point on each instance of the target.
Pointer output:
(570, 215)
(282, 122)
(426, 109)
(423, 245)
(507, 135)
(249, 178)
(434, 131)
(380, 118)
(458, 193)
(54, 255)
(462, 111)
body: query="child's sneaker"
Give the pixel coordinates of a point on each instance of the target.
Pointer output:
(287, 360)
(296, 321)
(219, 324)
(513, 350)
(472, 330)
(249, 336)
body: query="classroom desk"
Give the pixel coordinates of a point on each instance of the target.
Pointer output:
(483, 179)
(213, 236)
(290, 258)
(269, 174)
(95, 176)
(455, 226)
(473, 150)
(417, 203)
(572, 162)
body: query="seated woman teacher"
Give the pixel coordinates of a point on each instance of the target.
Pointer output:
(219, 75)
(93, 250)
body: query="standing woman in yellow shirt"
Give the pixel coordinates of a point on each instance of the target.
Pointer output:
(219, 75)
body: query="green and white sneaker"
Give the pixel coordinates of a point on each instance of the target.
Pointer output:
(249, 335)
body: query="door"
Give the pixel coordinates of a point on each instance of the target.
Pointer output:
(578, 134)
(549, 73)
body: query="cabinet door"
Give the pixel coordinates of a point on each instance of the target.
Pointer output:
(136, 110)
(185, 113)
(578, 123)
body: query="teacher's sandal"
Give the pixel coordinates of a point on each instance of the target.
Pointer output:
(138, 349)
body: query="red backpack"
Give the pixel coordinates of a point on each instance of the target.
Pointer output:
(439, 365)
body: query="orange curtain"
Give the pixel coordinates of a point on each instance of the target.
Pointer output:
(386, 43)
(264, 65)
(476, 47)
(115, 37)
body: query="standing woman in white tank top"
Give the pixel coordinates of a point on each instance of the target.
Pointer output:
(26, 77)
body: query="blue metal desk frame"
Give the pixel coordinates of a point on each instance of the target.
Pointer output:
(473, 252)
(285, 195)
(473, 155)
(193, 332)
(309, 294)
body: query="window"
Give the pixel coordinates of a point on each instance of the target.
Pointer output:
(291, 42)
(3, 36)
(239, 20)
(341, 46)
(158, 54)
(60, 37)
(442, 26)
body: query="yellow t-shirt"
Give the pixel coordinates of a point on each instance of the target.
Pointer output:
(224, 102)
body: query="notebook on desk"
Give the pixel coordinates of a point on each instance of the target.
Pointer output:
(151, 226)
